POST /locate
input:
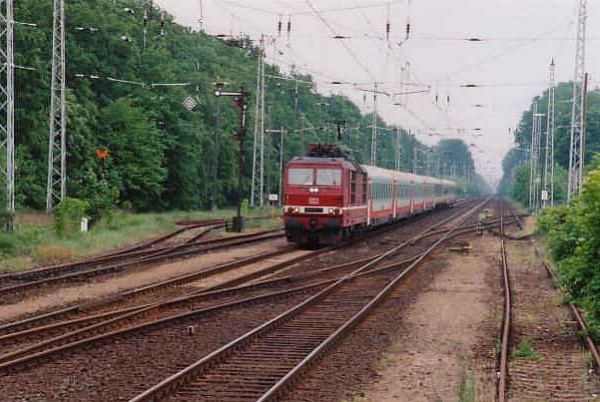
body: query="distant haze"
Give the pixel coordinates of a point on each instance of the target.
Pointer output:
(510, 65)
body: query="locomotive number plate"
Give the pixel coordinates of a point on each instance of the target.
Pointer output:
(313, 200)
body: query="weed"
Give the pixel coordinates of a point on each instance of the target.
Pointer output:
(355, 396)
(526, 351)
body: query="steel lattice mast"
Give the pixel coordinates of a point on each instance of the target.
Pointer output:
(258, 153)
(577, 144)
(57, 148)
(374, 129)
(7, 106)
(548, 200)
(534, 172)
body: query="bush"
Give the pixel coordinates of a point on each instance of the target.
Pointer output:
(573, 233)
(68, 215)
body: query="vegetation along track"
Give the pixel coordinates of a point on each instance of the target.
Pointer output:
(268, 302)
(15, 285)
(541, 354)
(48, 331)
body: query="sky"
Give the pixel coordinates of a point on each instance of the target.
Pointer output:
(509, 62)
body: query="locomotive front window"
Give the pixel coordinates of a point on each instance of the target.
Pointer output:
(301, 177)
(329, 177)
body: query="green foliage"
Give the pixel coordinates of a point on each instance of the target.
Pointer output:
(573, 233)
(522, 135)
(526, 351)
(160, 153)
(68, 215)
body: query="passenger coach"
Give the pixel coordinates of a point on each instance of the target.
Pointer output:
(328, 197)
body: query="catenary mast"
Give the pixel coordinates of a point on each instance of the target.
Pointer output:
(57, 148)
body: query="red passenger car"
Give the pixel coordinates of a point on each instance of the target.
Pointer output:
(329, 197)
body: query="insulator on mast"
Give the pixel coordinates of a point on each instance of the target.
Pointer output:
(279, 26)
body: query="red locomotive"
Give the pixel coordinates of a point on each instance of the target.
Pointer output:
(328, 197)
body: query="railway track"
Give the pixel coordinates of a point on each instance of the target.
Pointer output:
(266, 362)
(35, 335)
(16, 284)
(295, 287)
(541, 358)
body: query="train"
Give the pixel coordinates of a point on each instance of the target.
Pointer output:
(329, 197)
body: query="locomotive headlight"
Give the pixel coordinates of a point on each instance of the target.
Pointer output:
(290, 210)
(314, 190)
(330, 210)
(296, 210)
(337, 211)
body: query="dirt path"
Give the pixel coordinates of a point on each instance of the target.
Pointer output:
(102, 288)
(439, 355)
(549, 362)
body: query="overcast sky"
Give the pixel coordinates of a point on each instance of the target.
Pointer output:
(510, 64)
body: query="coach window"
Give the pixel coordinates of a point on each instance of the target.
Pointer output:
(329, 177)
(300, 177)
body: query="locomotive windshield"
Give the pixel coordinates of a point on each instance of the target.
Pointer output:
(301, 177)
(329, 177)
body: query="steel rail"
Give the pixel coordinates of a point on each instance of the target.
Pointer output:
(219, 290)
(222, 243)
(133, 251)
(121, 297)
(503, 369)
(95, 261)
(140, 312)
(170, 384)
(186, 278)
(128, 314)
(584, 328)
(78, 337)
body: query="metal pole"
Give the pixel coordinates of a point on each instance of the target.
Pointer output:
(7, 99)
(397, 149)
(532, 156)
(374, 129)
(281, 149)
(583, 123)
(239, 223)
(216, 147)
(258, 184)
(577, 142)
(549, 149)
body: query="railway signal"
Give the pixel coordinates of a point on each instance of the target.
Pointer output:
(240, 101)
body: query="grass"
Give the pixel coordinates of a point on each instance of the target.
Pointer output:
(526, 351)
(466, 390)
(34, 241)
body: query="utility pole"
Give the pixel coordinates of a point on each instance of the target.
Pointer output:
(577, 144)
(282, 132)
(201, 18)
(7, 106)
(398, 134)
(548, 192)
(374, 129)
(258, 150)
(535, 178)
(216, 147)
(57, 147)
(415, 159)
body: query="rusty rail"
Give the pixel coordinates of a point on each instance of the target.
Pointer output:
(296, 314)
